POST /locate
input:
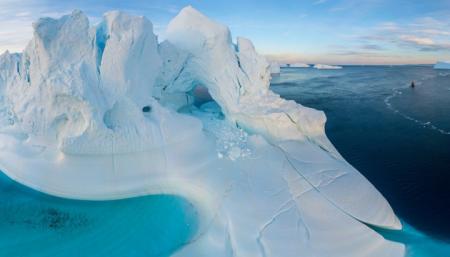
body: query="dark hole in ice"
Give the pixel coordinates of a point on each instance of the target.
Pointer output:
(146, 109)
(201, 95)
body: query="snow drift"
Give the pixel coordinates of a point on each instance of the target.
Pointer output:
(107, 112)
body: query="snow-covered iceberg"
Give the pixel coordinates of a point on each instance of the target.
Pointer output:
(326, 67)
(444, 65)
(107, 112)
(299, 65)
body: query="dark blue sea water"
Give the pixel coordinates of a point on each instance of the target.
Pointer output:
(397, 136)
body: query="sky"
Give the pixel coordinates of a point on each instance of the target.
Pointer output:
(308, 31)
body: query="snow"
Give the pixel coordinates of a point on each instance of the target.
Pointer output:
(442, 65)
(326, 67)
(72, 125)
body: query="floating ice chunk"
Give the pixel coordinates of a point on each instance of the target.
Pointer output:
(326, 67)
(442, 65)
(299, 65)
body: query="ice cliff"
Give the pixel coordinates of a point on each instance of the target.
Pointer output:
(108, 112)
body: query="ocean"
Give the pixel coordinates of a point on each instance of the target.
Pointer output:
(395, 135)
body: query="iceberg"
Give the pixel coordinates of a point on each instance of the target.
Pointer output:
(299, 65)
(443, 65)
(108, 112)
(295, 65)
(326, 67)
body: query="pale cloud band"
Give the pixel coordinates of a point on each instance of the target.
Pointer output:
(326, 31)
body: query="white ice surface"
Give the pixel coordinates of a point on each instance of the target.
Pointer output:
(265, 179)
(442, 65)
(326, 67)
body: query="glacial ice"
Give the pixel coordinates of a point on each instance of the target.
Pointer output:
(442, 65)
(299, 65)
(326, 67)
(107, 112)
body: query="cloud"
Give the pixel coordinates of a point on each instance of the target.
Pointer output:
(415, 40)
(422, 34)
(423, 43)
(374, 47)
(348, 57)
(388, 26)
(434, 32)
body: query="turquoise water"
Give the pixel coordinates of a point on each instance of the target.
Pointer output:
(417, 243)
(35, 224)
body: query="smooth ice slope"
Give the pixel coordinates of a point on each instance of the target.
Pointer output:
(442, 65)
(106, 112)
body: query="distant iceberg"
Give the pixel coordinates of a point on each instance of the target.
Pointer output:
(295, 65)
(108, 112)
(299, 65)
(442, 65)
(326, 67)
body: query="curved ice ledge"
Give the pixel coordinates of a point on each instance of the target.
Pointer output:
(107, 112)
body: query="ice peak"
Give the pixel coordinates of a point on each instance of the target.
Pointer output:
(43, 25)
(245, 44)
(191, 11)
(191, 21)
(125, 20)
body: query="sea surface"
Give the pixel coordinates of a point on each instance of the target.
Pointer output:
(396, 135)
